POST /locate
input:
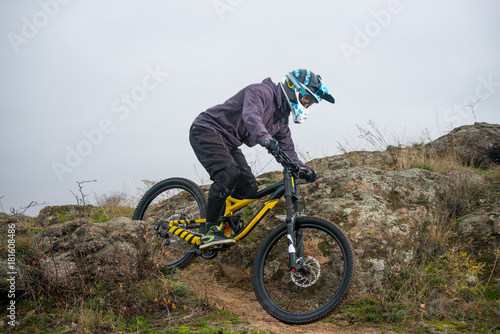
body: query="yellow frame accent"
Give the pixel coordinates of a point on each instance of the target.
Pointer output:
(232, 205)
(267, 206)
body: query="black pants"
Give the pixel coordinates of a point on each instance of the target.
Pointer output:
(215, 154)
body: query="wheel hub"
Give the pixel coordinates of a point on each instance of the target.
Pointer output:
(309, 276)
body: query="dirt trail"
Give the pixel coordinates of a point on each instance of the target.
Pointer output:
(243, 303)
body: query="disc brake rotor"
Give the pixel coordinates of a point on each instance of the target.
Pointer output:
(312, 275)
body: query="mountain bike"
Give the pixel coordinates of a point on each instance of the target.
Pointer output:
(302, 270)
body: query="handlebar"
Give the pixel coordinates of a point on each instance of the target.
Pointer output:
(283, 158)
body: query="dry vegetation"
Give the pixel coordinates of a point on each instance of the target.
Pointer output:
(442, 282)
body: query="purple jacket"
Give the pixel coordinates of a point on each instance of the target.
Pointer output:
(249, 117)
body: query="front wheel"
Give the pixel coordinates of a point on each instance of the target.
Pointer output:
(172, 199)
(297, 298)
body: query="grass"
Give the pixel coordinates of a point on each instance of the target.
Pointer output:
(88, 304)
(103, 214)
(153, 304)
(135, 306)
(434, 288)
(116, 204)
(495, 174)
(405, 158)
(443, 286)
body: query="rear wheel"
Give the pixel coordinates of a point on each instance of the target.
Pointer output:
(172, 199)
(297, 298)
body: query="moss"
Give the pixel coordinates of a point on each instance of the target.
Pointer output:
(447, 324)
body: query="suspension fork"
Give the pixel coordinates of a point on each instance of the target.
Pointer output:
(292, 213)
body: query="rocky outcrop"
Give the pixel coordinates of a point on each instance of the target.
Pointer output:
(391, 216)
(477, 144)
(388, 214)
(78, 251)
(60, 214)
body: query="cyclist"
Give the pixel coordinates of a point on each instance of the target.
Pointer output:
(257, 114)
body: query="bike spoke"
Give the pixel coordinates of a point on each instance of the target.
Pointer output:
(172, 200)
(297, 292)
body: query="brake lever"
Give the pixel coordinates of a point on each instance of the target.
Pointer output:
(278, 156)
(282, 157)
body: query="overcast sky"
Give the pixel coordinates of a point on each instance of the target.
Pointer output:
(107, 90)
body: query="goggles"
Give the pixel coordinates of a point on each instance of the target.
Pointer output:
(307, 100)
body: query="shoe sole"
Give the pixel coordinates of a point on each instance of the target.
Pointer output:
(209, 245)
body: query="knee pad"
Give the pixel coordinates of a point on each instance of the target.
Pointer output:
(225, 181)
(244, 191)
(251, 189)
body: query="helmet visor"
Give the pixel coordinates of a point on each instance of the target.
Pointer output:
(307, 100)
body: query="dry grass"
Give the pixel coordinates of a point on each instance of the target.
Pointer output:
(405, 158)
(442, 281)
(495, 174)
(449, 286)
(115, 204)
(88, 304)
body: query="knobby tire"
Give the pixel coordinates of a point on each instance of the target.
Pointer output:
(310, 297)
(172, 199)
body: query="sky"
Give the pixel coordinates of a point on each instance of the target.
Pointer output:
(105, 91)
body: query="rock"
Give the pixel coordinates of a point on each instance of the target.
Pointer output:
(61, 214)
(386, 214)
(477, 144)
(389, 215)
(379, 210)
(114, 250)
(477, 236)
(7, 221)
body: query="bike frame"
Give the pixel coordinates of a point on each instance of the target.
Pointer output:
(288, 187)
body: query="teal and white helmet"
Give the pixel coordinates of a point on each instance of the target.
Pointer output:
(301, 89)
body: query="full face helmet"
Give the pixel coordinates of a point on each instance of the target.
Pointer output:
(301, 89)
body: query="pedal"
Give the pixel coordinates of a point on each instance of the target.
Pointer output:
(218, 248)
